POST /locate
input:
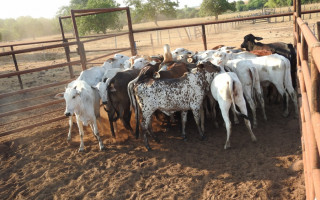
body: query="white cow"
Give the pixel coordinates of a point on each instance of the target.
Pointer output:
(83, 101)
(249, 78)
(226, 89)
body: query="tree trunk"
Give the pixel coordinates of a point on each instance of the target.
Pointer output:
(216, 17)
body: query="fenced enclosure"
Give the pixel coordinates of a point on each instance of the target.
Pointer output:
(31, 101)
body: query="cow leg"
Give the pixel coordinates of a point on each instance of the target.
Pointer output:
(126, 120)
(243, 109)
(202, 121)
(285, 97)
(294, 98)
(214, 112)
(110, 116)
(80, 126)
(235, 117)
(247, 93)
(261, 101)
(183, 122)
(70, 127)
(145, 123)
(196, 114)
(224, 107)
(96, 134)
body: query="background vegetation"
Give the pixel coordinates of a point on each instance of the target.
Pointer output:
(141, 11)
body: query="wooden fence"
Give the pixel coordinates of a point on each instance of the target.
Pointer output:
(308, 66)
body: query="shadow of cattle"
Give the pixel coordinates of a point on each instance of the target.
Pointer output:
(43, 165)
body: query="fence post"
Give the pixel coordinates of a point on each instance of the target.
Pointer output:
(81, 51)
(67, 51)
(187, 33)
(115, 42)
(131, 38)
(66, 48)
(152, 43)
(204, 38)
(318, 30)
(16, 66)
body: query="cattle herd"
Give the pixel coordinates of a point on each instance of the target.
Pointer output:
(180, 81)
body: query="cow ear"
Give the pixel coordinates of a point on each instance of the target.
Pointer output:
(190, 60)
(156, 75)
(112, 89)
(200, 66)
(258, 38)
(59, 95)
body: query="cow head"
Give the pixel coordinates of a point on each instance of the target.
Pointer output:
(209, 71)
(139, 63)
(102, 89)
(249, 41)
(72, 98)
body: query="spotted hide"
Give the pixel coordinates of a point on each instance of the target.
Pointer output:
(170, 95)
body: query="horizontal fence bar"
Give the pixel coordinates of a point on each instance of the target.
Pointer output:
(312, 41)
(35, 88)
(34, 116)
(105, 37)
(32, 126)
(223, 21)
(37, 48)
(29, 43)
(26, 100)
(94, 11)
(31, 108)
(98, 50)
(39, 69)
(99, 57)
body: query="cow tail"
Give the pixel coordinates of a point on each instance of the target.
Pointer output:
(253, 78)
(287, 74)
(111, 103)
(232, 99)
(133, 102)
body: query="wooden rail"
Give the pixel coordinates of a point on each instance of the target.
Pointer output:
(308, 74)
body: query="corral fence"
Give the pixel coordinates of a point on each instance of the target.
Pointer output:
(16, 105)
(308, 73)
(308, 66)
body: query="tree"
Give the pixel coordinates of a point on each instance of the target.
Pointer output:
(93, 23)
(151, 9)
(256, 4)
(240, 6)
(215, 7)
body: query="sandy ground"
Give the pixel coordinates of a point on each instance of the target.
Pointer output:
(41, 164)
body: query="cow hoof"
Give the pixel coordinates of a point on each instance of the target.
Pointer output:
(103, 148)
(81, 150)
(184, 138)
(285, 114)
(254, 139)
(255, 125)
(203, 138)
(148, 148)
(157, 140)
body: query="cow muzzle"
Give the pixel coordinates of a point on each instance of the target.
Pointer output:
(243, 45)
(68, 114)
(104, 102)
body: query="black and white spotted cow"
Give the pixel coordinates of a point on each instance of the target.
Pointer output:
(171, 95)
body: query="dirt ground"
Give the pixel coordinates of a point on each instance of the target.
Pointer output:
(41, 164)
